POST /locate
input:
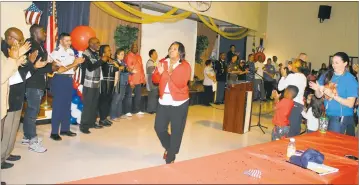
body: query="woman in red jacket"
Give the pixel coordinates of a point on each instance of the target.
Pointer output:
(173, 74)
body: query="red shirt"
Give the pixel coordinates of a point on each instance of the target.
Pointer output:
(134, 61)
(282, 112)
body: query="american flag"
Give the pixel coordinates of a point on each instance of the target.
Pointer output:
(32, 15)
(51, 32)
(253, 173)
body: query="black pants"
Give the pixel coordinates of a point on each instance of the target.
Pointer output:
(208, 95)
(152, 101)
(295, 120)
(177, 115)
(105, 105)
(269, 86)
(138, 95)
(89, 113)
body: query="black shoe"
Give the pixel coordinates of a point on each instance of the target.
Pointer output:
(96, 126)
(104, 123)
(68, 133)
(5, 165)
(108, 121)
(85, 131)
(217, 103)
(3, 183)
(55, 137)
(151, 112)
(13, 158)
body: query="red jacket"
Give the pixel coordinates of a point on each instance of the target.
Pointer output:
(177, 81)
(282, 112)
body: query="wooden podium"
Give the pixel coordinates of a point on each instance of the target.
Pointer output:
(238, 107)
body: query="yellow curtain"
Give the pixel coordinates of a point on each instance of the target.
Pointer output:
(143, 18)
(212, 36)
(146, 18)
(105, 25)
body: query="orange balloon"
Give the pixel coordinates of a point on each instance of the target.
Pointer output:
(80, 37)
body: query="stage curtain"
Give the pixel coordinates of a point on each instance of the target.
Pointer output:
(212, 36)
(105, 25)
(69, 14)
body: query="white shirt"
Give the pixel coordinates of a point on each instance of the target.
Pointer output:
(296, 79)
(65, 57)
(208, 71)
(260, 66)
(167, 97)
(312, 122)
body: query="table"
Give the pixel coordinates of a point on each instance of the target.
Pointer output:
(270, 158)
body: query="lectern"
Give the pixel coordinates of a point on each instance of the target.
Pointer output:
(238, 107)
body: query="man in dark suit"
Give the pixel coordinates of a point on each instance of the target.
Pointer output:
(220, 69)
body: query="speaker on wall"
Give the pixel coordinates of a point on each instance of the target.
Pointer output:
(324, 12)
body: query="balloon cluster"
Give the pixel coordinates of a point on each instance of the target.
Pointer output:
(76, 104)
(77, 100)
(80, 36)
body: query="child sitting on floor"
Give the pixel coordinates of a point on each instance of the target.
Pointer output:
(282, 112)
(315, 110)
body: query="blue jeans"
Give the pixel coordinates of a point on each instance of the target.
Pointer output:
(33, 97)
(336, 124)
(116, 104)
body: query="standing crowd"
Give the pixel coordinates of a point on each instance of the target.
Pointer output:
(109, 82)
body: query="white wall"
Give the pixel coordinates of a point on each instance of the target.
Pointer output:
(12, 15)
(293, 27)
(159, 36)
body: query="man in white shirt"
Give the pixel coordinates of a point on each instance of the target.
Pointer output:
(258, 85)
(62, 86)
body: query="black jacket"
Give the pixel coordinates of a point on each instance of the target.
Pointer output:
(37, 80)
(108, 81)
(221, 70)
(88, 65)
(17, 91)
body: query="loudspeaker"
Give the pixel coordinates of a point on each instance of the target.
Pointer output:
(324, 12)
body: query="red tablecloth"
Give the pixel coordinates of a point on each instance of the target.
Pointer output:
(270, 158)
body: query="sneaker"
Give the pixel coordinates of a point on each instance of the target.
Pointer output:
(26, 141)
(123, 117)
(36, 146)
(140, 113)
(129, 115)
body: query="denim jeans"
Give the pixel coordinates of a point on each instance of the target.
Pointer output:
(33, 98)
(116, 104)
(336, 124)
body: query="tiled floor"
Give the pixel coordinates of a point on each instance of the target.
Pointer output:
(127, 145)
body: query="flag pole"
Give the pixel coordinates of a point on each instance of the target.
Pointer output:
(46, 104)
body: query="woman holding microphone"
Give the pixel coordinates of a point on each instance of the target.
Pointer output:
(173, 75)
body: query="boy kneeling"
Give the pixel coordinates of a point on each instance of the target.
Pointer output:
(282, 112)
